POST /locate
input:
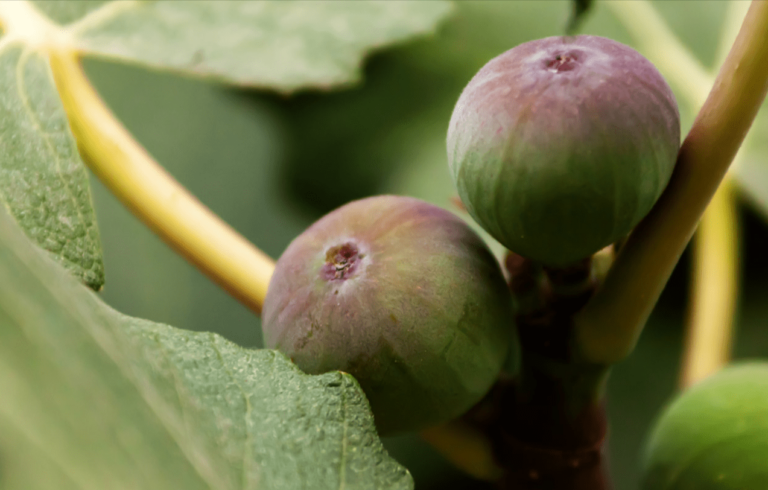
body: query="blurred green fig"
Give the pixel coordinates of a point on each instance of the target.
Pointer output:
(404, 296)
(560, 146)
(714, 436)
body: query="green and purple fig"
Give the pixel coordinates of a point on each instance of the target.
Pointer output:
(714, 436)
(560, 146)
(404, 296)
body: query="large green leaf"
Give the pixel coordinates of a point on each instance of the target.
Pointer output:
(283, 45)
(92, 399)
(43, 183)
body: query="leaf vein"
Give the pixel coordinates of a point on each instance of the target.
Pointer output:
(24, 97)
(45, 449)
(176, 386)
(247, 449)
(343, 466)
(101, 15)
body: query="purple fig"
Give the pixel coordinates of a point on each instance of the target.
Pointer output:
(560, 146)
(404, 296)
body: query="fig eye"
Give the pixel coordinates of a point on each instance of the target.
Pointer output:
(341, 262)
(562, 63)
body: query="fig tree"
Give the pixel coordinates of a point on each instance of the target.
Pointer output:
(714, 436)
(560, 146)
(404, 296)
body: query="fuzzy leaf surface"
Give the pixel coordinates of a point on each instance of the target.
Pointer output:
(93, 399)
(43, 184)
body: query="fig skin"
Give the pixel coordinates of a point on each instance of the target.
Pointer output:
(404, 296)
(560, 146)
(714, 436)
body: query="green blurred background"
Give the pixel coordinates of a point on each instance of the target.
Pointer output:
(270, 165)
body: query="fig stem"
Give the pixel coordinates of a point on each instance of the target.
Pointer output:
(715, 272)
(715, 260)
(608, 327)
(153, 195)
(552, 424)
(709, 329)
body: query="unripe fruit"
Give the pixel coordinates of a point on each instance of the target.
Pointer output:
(560, 146)
(714, 436)
(401, 294)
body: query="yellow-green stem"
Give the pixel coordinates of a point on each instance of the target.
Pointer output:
(153, 195)
(708, 339)
(608, 327)
(715, 270)
(714, 287)
(715, 265)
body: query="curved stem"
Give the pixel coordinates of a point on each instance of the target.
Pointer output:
(715, 261)
(153, 195)
(608, 327)
(714, 289)
(715, 271)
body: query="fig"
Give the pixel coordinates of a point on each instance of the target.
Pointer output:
(560, 146)
(404, 296)
(714, 435)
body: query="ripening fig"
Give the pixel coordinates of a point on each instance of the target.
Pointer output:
(714, 436)
(560, 146)
(404, 296)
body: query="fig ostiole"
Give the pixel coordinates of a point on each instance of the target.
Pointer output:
(713, 436)
(560, 146)
(404, 296)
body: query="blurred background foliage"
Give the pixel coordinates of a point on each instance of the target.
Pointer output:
(271, 164)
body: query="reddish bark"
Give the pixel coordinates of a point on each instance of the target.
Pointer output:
(548, 423)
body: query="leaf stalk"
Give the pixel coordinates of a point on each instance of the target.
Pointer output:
(715, 272)
(153, 195)
(608, 327)
(715, 267)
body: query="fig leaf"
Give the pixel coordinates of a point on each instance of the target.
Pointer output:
(43, 184)
(93, 399)
(283, 46)
(277, 45)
